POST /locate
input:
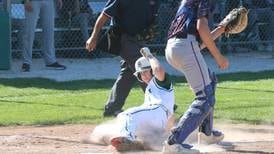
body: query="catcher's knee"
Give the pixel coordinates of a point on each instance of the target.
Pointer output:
(202, 105)
(207, 95)
(203, 102)
(193, 117)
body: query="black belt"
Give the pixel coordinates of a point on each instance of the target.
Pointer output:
(181, 35)
(184, 36)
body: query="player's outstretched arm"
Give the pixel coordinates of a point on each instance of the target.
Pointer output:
(92, 41)
(157, 69)
(204, 32)
(216, 33)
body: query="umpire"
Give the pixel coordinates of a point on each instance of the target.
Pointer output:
(131, 20)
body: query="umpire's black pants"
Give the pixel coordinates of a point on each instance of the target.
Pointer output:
(125, 80)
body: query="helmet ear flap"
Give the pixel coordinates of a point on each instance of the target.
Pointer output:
(139, 78)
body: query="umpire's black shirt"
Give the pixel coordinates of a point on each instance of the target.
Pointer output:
(133, 16)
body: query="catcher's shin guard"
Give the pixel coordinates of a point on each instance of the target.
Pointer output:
(193, 117)
(207, 125)
(213, 79)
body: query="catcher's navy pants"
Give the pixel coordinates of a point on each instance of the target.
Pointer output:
(125, 80)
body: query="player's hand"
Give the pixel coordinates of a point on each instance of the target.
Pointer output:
(222, 62)
(28, 6)
(91, 43)
(146, 52)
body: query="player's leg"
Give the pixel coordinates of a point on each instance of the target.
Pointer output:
(191, 63)
(121, 88)
(144, 117)
(185, 56)
(138, 119)
(207, 125)
(125, 139)
(208, 135)
(29, 31)
(84, 25)
(131, 52)
(47, 18)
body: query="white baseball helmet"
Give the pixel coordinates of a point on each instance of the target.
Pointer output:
(141, 65)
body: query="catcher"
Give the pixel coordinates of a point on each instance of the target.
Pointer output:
(157, 108)
(188, 33)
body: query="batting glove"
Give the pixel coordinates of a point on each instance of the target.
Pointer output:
(146, 52)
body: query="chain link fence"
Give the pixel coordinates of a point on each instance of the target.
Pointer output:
(259, 34)
(74, 22)
(74, 25)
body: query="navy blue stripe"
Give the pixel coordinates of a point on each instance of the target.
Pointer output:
(145, 110)
(130, 134)
(198, 63)
(147, 67)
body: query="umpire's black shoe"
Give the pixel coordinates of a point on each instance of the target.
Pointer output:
(111, 113)
(25, 67)
(56, 66)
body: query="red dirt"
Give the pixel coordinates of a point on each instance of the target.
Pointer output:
(239, 138)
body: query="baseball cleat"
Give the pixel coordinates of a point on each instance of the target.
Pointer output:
(125, 144)
(178, 149)
(215, 137)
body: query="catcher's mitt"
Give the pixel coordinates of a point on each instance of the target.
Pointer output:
(236, 21)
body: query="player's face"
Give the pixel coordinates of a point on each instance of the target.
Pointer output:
(146, 76)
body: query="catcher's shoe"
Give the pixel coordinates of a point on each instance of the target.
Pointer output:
(125, 144)
(178, 149)
(215, 137)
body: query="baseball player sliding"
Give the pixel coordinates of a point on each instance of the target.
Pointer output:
(156, 110)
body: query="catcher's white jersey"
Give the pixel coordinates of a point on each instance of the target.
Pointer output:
(152, 115)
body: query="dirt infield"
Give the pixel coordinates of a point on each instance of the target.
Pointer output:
(239, 138)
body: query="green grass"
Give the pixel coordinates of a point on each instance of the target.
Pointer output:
(241, 97)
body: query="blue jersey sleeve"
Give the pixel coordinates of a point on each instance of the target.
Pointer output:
(203, 9)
